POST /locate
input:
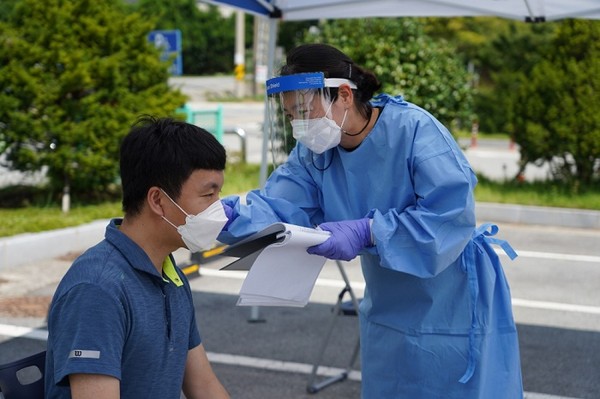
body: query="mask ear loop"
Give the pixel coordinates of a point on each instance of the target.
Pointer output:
(332, 155)
(344, 120)
(177, 205)
(168, 221)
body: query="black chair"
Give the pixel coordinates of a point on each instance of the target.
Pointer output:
(341, 308)
(24, 378)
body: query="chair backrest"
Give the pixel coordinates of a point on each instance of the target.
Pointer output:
(24, 378)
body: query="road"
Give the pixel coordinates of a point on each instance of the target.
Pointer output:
(555, 297)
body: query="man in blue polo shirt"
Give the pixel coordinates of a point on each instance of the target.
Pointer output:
(121, 323)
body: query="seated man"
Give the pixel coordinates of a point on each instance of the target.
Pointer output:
(122, 323)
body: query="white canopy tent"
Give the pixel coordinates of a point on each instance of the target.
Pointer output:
(524, 10)
(295, 10)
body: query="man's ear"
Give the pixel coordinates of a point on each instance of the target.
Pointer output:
(155, 199)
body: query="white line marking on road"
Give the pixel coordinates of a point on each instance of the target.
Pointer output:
(360, 285)
(533, 395)
(554, 256)
(278, 365)
(242, 361)
(239, 275)
(563, 307)
(23, 332)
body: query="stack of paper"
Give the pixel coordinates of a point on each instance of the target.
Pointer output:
(280, 271)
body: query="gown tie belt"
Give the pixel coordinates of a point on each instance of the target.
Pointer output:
(483, 237)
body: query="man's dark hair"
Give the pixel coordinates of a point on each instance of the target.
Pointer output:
(164, 152)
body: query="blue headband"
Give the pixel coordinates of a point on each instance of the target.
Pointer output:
(304, 81)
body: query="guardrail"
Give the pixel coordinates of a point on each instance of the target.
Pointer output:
(208, 119)
(241, 133)
(212, 121)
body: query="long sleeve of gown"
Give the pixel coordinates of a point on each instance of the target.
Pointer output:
(289, 196)
(428, 235)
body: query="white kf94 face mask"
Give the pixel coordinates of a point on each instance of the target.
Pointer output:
(200, 231)
(320, 134)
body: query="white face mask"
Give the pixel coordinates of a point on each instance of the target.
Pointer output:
(200, 231)
(319, 134)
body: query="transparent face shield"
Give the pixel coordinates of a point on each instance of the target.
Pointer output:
(300, 110)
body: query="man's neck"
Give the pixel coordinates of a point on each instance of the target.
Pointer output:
(147, 234)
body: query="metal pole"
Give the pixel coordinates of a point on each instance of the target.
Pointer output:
(255, 310)
(239, 57)
(266, 127)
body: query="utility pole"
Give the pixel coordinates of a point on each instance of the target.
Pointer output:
(239, 56)
(261, 44)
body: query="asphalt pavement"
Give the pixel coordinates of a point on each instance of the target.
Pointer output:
(268, 353)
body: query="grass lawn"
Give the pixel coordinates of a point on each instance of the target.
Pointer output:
(240, 178)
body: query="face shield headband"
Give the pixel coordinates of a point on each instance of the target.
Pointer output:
(304, 81)
(305, 101)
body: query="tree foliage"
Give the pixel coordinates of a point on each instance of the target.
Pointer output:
(407, 61)
(6, 9)
(496, 49)
(74, 75)
(555, 108)
(506, 61)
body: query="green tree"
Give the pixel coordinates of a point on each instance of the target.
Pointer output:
(291, 33)
(74, 75)
(6, 9)
(506, 61)
(407, 61)
(554, 115)
(496, 50)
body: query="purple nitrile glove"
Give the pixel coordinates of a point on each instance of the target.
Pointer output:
(347, 239)
(230, 213)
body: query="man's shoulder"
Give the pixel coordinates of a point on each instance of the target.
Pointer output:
(94, 266)
(99, 256)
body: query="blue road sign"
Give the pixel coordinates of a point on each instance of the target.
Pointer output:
(169, 41)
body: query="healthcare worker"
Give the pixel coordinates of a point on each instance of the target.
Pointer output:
(391, 185)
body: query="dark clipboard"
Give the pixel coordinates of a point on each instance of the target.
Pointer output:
(248, 249)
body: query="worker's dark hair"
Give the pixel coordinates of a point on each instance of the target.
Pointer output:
(164, 152)
(318, 57)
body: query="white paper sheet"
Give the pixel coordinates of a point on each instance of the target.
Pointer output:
(283, 273)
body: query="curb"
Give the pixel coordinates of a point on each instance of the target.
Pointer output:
(537, 215)
(32, 247)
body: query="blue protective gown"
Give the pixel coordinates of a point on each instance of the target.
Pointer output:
(436, 318)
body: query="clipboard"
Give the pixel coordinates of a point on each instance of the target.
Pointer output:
(280, 271)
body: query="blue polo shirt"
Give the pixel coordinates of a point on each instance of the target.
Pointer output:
(114, 314)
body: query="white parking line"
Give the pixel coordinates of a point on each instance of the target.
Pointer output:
(9, 330)
(555, 256)
(563, 307)
(243, 361)
(360, 285)
(278, 365)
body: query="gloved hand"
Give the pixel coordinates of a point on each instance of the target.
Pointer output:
(347, 239)
(230, 213)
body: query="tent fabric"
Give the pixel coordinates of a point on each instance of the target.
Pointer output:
(524, 10)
